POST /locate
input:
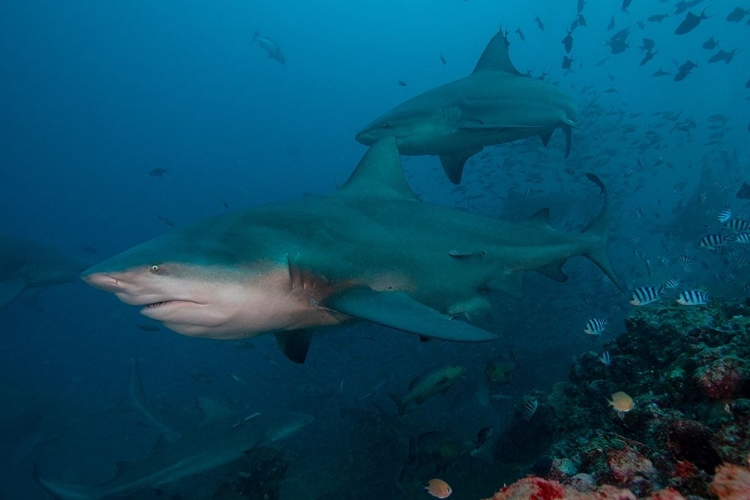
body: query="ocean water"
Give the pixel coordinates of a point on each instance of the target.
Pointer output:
(96, 95)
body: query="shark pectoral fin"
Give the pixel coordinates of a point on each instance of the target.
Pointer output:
(10, 290)
(554, 271)
(400, 311)
(294, 344)
(453, 164)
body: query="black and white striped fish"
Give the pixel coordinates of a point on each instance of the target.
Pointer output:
(645, 295)
(724, 215)
(711, 241)
(671, 283)
(692, 298)
(743, 238)
(595, 326)
(738, 225)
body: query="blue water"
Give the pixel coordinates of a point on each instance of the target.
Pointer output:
(94, 95)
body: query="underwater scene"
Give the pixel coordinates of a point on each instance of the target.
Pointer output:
(288, 250)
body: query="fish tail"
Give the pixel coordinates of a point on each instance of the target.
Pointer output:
(66, 491)
(599, 227)
(400, 403)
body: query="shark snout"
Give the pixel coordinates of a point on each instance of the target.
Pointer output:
(102, 281)
(365, 137)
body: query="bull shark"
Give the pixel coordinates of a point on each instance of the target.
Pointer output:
(370, 251)
(28, 264)
(495, 104)
(222, 438)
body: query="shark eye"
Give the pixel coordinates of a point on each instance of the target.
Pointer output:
(154, 268)
(386, 125)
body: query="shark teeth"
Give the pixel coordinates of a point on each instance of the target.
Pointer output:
(156, 304)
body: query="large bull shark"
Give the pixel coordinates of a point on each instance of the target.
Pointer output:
(222, 438)
(371, 251)
(27, 264)
(495, 104)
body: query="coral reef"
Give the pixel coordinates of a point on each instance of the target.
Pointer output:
(688, 371)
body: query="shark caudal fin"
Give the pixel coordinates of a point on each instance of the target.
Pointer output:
(66, 491)
(599, 227)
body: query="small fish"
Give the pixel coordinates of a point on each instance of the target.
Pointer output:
(438, 488)
(679, 187)
(158, 172)
(671, 283)
(743, 238)
(539, 23)
(645, 295)
(567, 62)
(723, 55)
(442, 59)
(657, 18)
(737, 15)
(661, 72)
(710, 44)
(621, 402)
(647, 45)
(520, 34)
(568, 42)
(744, 192)
(272, 48)
(530, 405)
(611, 24)
(402, 83)
(711, 241)
(625, 5)
(693, 298)
(147, 328)
(595, 326)
(724, 215)
(702, 197)
(166, 221)
(605, 358)
(690, 22)
(647, 58)
(579, 7)
(482, 436)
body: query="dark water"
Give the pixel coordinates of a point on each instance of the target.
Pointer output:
(95, 96)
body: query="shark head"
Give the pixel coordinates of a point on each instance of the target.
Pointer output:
(409, 124)
(204, 280)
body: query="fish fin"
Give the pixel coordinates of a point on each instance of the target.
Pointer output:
(400, 311)
(10, 290)
(495, 57)
(294, 344)
(453, 164)
(540, 218)
(554, 271)
(568, 130)
(379, 174)
(599, 227)
(400, 404)
(546, 136)
(212, 410)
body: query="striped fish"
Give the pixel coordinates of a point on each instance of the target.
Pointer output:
(743, 238)
(738, 225)
(744, 192)
(724, 215)
(671, 283)
(645, 295)
(595, 326)
(711, 241)
(692, 298)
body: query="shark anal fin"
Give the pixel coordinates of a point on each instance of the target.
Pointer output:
(554, 271)
(294, 344)
(453, 164)
(10, 289)
(400, 311)
(546, 136)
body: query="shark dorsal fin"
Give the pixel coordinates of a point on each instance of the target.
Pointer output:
(495, 57)
(212, 410)
(379, 173)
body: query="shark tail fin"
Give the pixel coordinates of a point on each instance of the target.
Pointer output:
(400, 404)
(65, 491)
(599, 227)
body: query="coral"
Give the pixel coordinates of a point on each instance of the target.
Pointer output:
(534, 488)
(731, 482)
(724, 378)
(625, 464)
(690, 440)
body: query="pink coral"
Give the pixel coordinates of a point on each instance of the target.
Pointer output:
(731, 482)
(626, 463)
(534, 488)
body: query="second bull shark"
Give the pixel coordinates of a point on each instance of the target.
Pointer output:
(495, 104)
(371, 251)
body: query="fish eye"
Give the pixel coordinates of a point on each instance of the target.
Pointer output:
(154, 268)
(386, 125)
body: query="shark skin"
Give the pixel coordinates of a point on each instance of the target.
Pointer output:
(222, 438)
(371, 251)
(495, 104)
(27, 264)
